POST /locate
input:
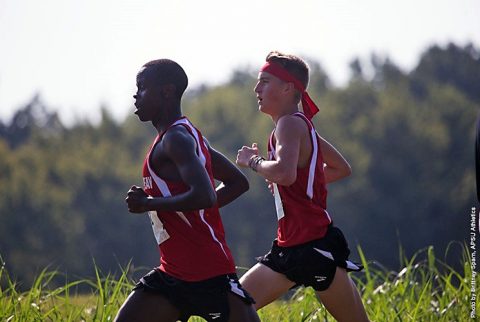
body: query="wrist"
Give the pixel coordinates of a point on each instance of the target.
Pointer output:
(255, 161)
(147, 204)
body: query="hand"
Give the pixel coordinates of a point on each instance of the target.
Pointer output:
(136, 200)
(245, 154)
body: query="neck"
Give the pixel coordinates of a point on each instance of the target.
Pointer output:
(168, 116)
(289, 110)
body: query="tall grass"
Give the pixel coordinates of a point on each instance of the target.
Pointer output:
(45, 303)
(424, 289)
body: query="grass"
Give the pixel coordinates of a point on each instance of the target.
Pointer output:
(425, 289)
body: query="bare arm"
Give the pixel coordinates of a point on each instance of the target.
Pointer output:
(336, 167)
(180, 147)
(282, 170)
(233, 181)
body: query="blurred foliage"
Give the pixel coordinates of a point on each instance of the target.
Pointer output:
(409, 137)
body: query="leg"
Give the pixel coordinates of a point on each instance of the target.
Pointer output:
(264, 284)
(342, 299)
(241, 311)
(147, 306)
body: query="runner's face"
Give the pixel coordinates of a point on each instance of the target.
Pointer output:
(269, 91)
(147, 99)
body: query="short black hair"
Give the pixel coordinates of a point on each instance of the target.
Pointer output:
(166, 71)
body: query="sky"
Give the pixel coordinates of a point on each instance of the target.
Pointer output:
(81, 55)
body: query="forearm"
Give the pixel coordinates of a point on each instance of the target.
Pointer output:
(335, 174)
(228, 192)
(336, 167)
(187, 201)
(275, 171)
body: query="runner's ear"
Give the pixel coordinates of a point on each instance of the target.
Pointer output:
(168, 90)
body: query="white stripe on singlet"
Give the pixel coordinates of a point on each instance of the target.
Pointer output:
(276, 193)
(313, 161)
(311, 172)
(162, 186)
(203, 160)
(196, 136)
(212, 233)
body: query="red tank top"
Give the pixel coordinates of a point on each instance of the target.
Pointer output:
(302, 207)
(192, 243)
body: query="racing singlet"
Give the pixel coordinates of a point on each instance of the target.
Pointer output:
(302, 207)
(191, 243)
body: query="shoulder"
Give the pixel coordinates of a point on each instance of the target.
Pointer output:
(178, 138)
(291, 125)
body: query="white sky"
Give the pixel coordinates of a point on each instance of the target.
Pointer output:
(79, 54)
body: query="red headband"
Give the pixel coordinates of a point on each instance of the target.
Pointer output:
(277, 70)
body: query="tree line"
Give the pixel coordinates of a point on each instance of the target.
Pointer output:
(408, 135)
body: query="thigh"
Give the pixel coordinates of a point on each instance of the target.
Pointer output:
(264, 284)
(241, 311)
(147, 306)
(341, 294)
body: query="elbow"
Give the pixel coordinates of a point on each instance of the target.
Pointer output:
(342, 170)
(243, 184)
(206, 199)
(211, 200)
(347, 170)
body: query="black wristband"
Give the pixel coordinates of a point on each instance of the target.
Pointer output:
(255, 161)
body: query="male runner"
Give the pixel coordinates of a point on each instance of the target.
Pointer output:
(308, 250)
(196, 275)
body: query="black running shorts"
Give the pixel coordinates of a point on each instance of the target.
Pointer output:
(207, 298)
(313, 263)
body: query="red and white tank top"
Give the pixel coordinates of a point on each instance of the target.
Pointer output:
(302, 207)
(192, 243)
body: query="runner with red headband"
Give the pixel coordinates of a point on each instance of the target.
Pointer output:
(309, 250)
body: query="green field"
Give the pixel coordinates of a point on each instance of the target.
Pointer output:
(425, 289)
